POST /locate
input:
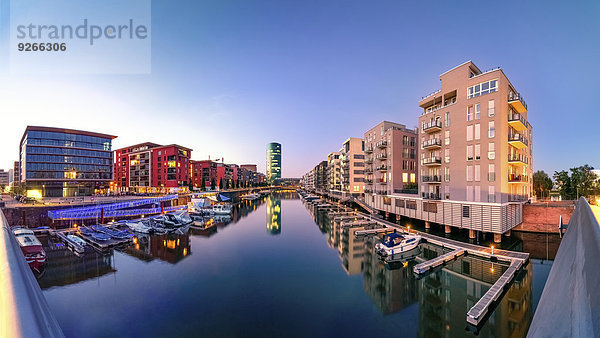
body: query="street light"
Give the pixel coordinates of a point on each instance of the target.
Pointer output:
(492, 250)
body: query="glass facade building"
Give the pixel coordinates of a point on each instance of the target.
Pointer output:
(58, 162)
(273, 162)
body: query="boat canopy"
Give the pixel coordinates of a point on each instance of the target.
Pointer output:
(392, 239)
(223, 198)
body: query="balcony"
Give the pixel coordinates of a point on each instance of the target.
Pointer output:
(380, 181)
(431, 196)
(516, 101)
(519, 160)
(345, 160)
(369, 181)
(433, 143)
(431, 179)
(382, 167)
(518, 198)
(369, 170)
(368, 160)
(381, 156)
(518, 141)
(432, 161)
(407, 191)
(381, 144)
(517, 121)
(433, 126)
(514, 178)
(382, 192)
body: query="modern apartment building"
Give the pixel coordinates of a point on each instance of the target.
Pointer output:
(152, 168)
(4, 178)
(391, 156)
(16, 174)
(476, 154)
(250, 167)
(203, 174)
(352, 168)
(333, 172)
(58, 162)
(273, 162)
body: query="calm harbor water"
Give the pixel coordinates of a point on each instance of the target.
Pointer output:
(277, 268)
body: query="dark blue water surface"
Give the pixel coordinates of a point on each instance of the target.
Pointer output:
(279, 268)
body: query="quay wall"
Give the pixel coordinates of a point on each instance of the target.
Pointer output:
(538, 217)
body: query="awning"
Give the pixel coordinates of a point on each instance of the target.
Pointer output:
(223, 198)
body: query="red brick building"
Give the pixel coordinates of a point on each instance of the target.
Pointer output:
(154, 168)
(203, 172)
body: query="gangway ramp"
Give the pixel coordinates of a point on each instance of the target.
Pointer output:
(439, 260)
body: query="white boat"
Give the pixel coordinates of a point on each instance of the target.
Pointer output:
(222, 209)
(31, 248)
(395, 243)
(199, 206)
(77, 240)
(251, 197)
(140, 227)
(183, 217)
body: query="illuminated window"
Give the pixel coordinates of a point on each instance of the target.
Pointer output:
(412, 178)
(171, 164)
(405, 177)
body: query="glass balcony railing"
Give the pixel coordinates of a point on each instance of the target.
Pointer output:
(517, 140)
(518, 159)
(516, 101)
(434, 160)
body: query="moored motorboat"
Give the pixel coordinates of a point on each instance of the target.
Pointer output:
(100, 236)
(251, 197)
(394, 243)
(222, 209)
(77, 240)
(140, 227)
(31, 248)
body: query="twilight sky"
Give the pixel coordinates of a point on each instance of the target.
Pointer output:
(230, 76)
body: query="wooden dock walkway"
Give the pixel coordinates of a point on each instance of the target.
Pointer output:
(372, 231)
(439, 260)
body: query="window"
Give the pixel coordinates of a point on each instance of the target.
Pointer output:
(477, 131)
(466, 211)
(404, 165)
(405, 140)
(447, 174)
(447, 155)
(477, 173)
(469, 193)
(470, 153)
(405, 177)
(412, 178)
(469, 173)
(447, 119)
(447, 138)
(477, 197)
(491, 151)
(491, 129)
(491, 173)
(492, 194)
(477, 152)
(477, 111)
(470, 133)
(469, 113)
(482, 89)
(491, 108)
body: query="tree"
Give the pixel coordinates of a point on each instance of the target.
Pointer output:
(581, 181)
(221, 183)
(542, 184)
(212, 184)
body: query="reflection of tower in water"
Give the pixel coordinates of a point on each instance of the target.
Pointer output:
(273, 215)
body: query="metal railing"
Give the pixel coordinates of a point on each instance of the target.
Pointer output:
(517, 137)
(432, 124)
(518, 158)
(431, 178)
(407, 191)
(432, 160)
(381, 144)
(517, 97)
(517, 117)
(431, 196)
(432, 142)
(24, 311)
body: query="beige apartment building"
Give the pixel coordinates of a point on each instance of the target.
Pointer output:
(352, 168)
(391, 156)
(333, 172)
(475, 170)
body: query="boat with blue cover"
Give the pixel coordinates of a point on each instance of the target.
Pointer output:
(395, 243)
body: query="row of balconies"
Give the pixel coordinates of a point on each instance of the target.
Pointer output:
(381, 144)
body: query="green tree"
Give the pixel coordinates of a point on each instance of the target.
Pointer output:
(212, 184)
(580, 181)
(221, 183)
(542, 184)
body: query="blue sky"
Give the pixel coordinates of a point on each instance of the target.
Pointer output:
(230, 76)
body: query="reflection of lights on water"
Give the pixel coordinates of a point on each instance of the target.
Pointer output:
(185, 251)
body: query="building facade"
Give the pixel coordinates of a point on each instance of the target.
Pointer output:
(352, 166)
(273, 162)
(476, 159)
(58, 162)
(152, 168)
(333, 172)
(4, 178)
(203, 174)
(391, 159)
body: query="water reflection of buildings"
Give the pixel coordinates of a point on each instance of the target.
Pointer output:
(445, 296)
(169, 248)
(63, 267)
(273, 215)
